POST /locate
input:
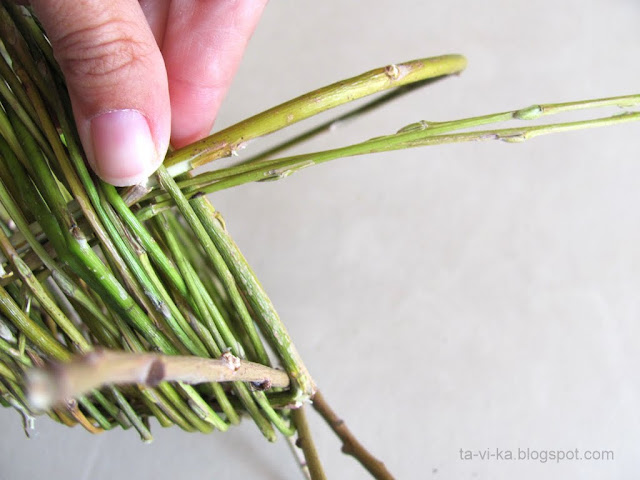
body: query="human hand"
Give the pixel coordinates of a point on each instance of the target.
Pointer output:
(142, 73)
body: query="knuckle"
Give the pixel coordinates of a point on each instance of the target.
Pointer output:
(101, 52)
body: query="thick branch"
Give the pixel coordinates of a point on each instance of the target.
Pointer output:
(64, 381)
(350, 445)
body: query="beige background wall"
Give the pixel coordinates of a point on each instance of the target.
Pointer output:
(471, 296)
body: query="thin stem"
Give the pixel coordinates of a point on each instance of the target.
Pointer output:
(216, 259)
(430, 133)
(146, 239)
(225, 142)
(418, 134)
(255, 294)
(30, 328)
(130, 413)
(211, 316)
(174, 324)
(63, 280)
(350, 444)
(298, 457)
(340, 120)
(305, 442)
(231, 287)
(42, 296)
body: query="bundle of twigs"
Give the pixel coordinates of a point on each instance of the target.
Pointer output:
(118, 305)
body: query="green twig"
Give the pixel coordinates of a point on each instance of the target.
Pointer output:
(423, 133)
(305, 442)
(225, 142)
(340, 120)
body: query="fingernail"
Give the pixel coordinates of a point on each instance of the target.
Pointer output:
(123, 150)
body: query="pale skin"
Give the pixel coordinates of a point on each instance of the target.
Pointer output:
(144, 74)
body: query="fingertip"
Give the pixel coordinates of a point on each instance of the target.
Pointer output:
(124, 151)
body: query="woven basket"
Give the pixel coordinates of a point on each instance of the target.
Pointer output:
(99, 282)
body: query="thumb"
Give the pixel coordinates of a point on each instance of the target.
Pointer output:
(117, 83)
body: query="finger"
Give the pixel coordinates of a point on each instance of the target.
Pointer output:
(203, 45)
(117, 83)
(156, 12)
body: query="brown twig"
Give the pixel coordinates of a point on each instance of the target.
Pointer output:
(305, 442)
(61, 382)
(350, 445)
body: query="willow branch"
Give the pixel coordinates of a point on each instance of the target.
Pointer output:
(350, 444)
(305, 442)
(419, 134)
(224, 143)
(299, 457)
(69, 380)
(338, 121)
